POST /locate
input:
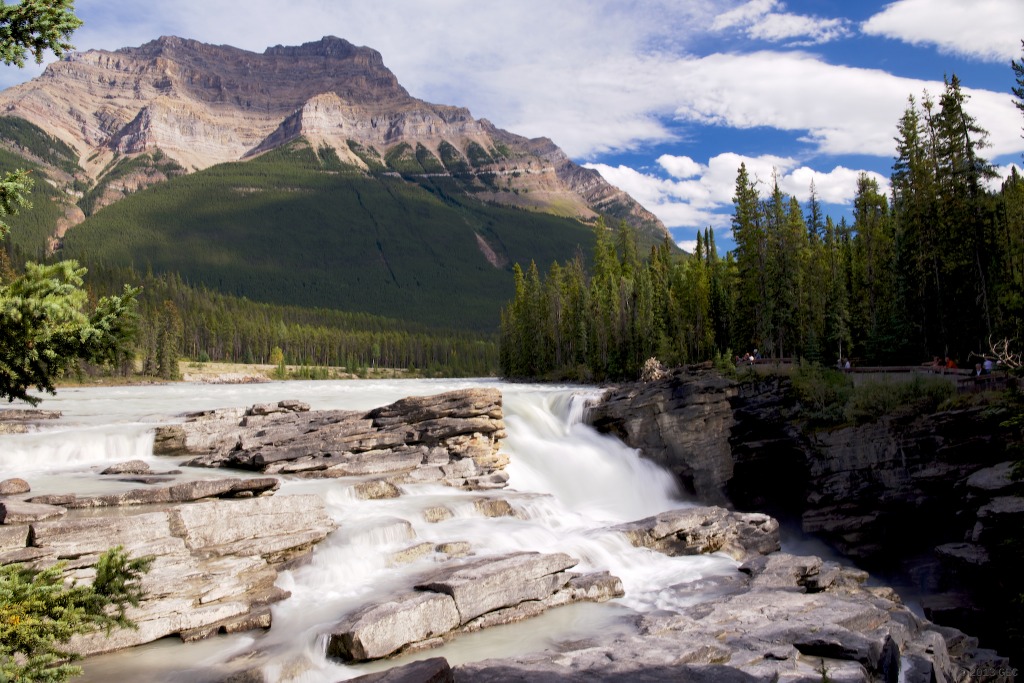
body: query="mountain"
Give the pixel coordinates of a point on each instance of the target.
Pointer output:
(129, 127)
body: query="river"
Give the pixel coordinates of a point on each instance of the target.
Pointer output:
(569, 482)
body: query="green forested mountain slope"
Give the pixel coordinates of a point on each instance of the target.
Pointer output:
(297, 227)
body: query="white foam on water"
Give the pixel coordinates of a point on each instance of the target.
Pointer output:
(567, 485)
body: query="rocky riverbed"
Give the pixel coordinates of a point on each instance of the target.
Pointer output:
(221, 543)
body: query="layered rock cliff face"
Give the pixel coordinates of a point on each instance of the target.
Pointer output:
(206, 104)
(928, 498)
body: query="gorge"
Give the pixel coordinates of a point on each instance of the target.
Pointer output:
(576, 505)
(924, 498)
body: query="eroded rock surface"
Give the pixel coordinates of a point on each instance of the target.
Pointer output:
(682, 422)
(215, 561)
(464, 597)
(697, 530)
(452, 438)
(795, 619)
(174, 493)
(929, 495)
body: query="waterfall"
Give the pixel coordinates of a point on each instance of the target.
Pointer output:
(567, 483)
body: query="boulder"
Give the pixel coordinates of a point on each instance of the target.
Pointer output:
(174, 493)
(433, 670)
(387, 627)
(214, 562)
(465, 597)
(783, 625)
(411, 553)
(14, 486)
(129, 467)
(267, 527)
(697, 530)
(13, 537)
(494, 582)
(376, 489)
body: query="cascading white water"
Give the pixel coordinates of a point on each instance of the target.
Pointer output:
(569, 484)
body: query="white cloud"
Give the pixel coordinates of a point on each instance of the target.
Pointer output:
(744, 15)
(758, 20)
(688, 246)
(1002, 173)
(843, 110)
(595, 75)
(705, 198)
(679, 167)
(838, 186)
(983, 29)
(814, 30)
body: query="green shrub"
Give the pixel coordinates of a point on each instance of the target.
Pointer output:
(821, 393)
(920, 395)
(39, 613)
(723, 362)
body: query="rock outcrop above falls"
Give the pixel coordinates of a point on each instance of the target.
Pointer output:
(452, 438)
(682, 422)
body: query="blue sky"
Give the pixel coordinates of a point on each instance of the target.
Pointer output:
(664, 97)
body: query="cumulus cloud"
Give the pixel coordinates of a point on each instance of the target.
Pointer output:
(1002, 173)
(596, 76)
(841, 109)
(704, 198)
(982, 29)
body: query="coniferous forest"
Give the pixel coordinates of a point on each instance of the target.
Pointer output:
(935, 268)
(176, 320)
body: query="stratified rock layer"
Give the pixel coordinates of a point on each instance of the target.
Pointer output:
(214, 561)
(699, 530)
(452, 437)
(464, 597)
(681, 422)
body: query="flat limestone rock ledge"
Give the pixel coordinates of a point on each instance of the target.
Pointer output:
(466, 597)
(452, 438)
(215, 561)
(797, 619)
(183, 492)
(697, 530)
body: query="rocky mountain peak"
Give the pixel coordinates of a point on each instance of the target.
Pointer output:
(328, 46)
(202, 104)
